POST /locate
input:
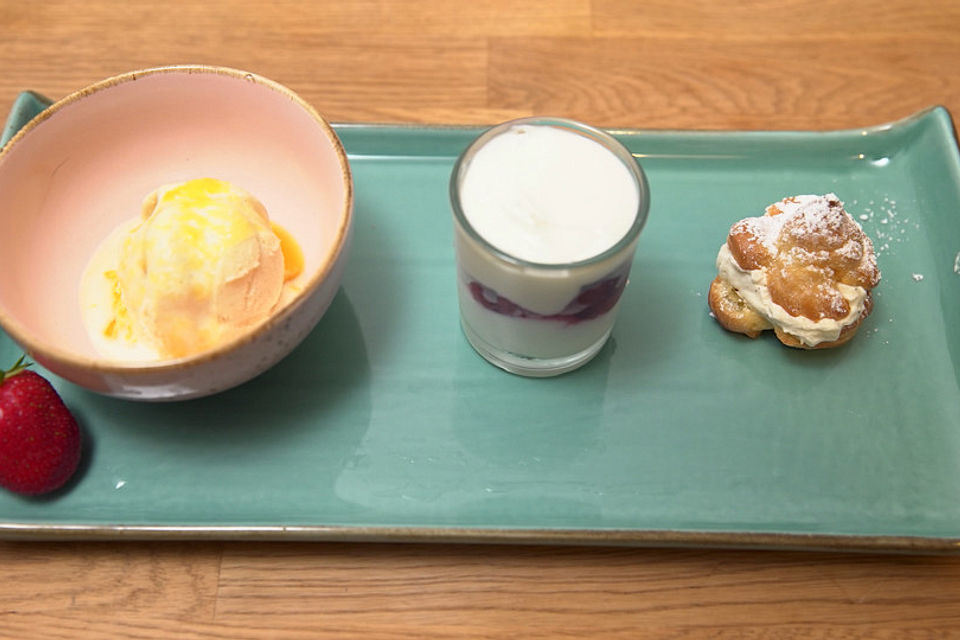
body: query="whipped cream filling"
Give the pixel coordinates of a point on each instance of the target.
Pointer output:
(751, 284)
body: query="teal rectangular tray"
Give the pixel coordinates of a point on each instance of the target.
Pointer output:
(385, 425)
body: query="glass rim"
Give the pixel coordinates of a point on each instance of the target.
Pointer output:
(601, 137)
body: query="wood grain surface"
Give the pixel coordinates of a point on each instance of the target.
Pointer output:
(690, 64)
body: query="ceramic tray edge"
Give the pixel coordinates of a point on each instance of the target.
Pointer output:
(469, 535)
(906, 121)
(28, 104)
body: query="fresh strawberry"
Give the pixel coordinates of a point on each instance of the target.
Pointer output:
(39, 438)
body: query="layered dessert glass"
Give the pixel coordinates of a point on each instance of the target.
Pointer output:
(547, 213)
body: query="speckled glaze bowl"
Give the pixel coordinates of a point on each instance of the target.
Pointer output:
(85, 164)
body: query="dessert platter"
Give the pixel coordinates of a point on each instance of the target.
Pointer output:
(384, 423)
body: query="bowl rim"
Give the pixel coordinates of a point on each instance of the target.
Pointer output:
(102, 365)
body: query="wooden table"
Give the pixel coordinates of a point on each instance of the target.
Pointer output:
(754, 64)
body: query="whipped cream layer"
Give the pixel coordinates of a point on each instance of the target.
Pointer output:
(547, 195)
(751, 285)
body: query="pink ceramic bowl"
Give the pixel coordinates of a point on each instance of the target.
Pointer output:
(85, 164)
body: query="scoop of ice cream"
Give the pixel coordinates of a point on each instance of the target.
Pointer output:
(203, 266)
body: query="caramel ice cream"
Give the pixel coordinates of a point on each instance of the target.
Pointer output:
(201, 266)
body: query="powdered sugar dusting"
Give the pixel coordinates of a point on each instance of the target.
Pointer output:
(851, 250)
(813, 217)
(820, 217)
(885, 223)
(767, 229)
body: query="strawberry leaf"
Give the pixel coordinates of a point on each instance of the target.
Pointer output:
(19, 367)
